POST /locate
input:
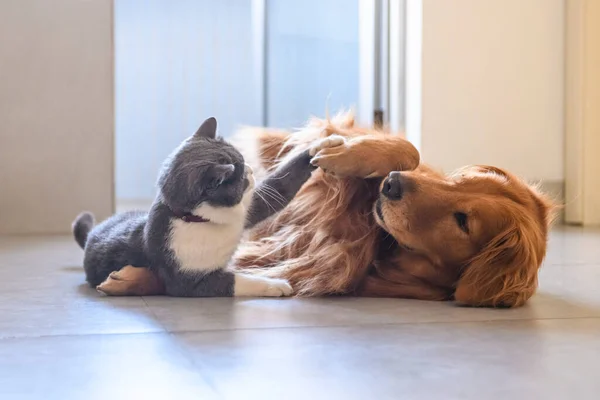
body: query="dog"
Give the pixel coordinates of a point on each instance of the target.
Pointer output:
(373, 221)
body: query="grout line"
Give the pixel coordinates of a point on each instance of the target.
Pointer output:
(363, 325)
(154, 316)
(66, 335)
(384, 324)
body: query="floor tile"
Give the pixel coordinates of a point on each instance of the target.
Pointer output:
(46, 320)
(571, 245)
(43, 292)
(565, 292)
(549, 359)
(178, 315)
(60, 339)
(99, 367)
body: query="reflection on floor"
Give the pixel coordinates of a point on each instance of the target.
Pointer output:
(59, 339)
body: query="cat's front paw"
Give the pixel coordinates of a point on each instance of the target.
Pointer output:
(258, 286)
(326, 143)
(278, 288)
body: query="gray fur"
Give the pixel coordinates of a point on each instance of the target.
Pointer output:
(177, 283)
(200, 162)
(279, 188)
(81, 227)
(202, 169)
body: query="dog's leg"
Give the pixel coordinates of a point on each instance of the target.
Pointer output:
(368, 156)
(408, 275)
(409, 288)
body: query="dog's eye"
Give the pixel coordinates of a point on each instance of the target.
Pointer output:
(462, 221)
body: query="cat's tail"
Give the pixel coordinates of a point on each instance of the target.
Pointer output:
(82, 225)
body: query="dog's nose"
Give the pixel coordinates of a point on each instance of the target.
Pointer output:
(392, 186)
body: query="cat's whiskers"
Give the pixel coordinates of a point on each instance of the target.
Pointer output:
(271, 192)
(257, 192)
(272, 197)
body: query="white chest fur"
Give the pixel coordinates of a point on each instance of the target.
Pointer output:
(203, 247)
(207, 246)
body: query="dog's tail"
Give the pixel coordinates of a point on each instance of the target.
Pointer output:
(82, 225)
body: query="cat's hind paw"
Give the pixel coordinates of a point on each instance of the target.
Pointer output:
(131, 281)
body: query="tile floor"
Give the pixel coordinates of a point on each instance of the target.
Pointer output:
(60, 340)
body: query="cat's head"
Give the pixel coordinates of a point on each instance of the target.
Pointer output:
(204, 170)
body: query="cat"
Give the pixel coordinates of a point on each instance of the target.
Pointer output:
(205, 200)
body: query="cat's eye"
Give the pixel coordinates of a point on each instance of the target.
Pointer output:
(462, 220)
(212, 185)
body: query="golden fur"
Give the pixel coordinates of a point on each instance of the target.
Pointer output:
(331, 240)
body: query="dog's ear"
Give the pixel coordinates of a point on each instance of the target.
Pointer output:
(474, 170)
(504, 273)
(488, 169)
(208, 129)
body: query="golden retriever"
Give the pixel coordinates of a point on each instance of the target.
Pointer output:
(372, 221)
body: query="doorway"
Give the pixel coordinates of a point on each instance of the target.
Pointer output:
(259, 62)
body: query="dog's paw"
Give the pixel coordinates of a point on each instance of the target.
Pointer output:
(326, 143)
(347, 160)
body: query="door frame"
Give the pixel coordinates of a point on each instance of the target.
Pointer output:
(582, 120)
(381, 60)
(382, 67)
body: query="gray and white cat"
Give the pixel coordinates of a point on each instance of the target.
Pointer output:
(206, 199)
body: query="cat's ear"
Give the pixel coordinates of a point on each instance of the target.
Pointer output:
(221, 172)
(208, 129)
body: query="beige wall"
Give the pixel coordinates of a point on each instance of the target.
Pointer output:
(56, 114)
(492, 85)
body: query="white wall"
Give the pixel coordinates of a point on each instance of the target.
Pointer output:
(493, 85)
(56, 117)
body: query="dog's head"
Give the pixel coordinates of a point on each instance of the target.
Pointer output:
(481, 220)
